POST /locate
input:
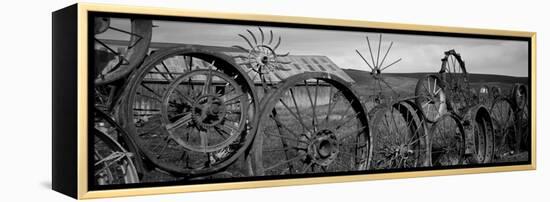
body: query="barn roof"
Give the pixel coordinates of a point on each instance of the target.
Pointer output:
(298, 63)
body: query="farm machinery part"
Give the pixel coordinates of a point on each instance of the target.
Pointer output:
(447, 141)
(118, 65)
(377, 68)
(399, 134)
(479, 138)
(117, 159)
(400, 138)
(448, 96)
(504, 123)
(187, 120)
(303, 130)
(112, 163)
(522, 109)
(293, 136)
(192, 111)
(262, 57)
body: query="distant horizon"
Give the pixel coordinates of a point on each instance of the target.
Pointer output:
(434, 72)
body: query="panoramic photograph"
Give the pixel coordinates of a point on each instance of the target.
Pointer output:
(189, 101)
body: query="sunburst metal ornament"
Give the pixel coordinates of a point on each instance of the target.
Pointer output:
(377, 67)
(262, 57)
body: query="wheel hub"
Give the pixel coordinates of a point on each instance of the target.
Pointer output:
(208, 110)
(323, 147)
(262, 59)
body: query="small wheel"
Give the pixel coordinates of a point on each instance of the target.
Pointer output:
(262, 58)
(431, 98)
(447, 141)
(504, 121)
(112, 163)
(399, 137)
(312, 123)
(180, 110)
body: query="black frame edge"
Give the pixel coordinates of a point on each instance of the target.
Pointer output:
(64, 100)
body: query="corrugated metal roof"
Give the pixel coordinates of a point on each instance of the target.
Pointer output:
(298, 63)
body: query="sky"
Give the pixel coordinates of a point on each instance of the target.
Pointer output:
(418, 53)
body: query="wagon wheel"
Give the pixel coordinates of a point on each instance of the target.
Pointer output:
(447, 141)
(312, 123)
(134, 41)
(399, 137)
(105, 123)
(521, 104)
(453, 73)
(503, 117)
(180, 104)
(204, 111)
(112, 163)
(483, 138)
(431, 98)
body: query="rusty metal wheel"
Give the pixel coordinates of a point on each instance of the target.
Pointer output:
(190, 110)
(504, 122)
(399, 137)
(431, 98)
(312, 123)
(520, 95)
(133, 36)
(104, 122)
(204, 111)
(112, 163)
(447, 141)
(453, 73)
(480, 133)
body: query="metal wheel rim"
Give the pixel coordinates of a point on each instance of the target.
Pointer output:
(118, 155)
(436, 94)
(302, 158)
(414, 142)
(197, 52)
(208, 148)
(441, 140)
(503, 117)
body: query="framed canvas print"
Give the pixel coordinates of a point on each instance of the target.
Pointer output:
(153, 100)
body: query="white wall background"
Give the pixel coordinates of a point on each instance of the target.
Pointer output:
(25, 86)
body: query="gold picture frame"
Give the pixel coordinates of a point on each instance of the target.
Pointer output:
(77, 186)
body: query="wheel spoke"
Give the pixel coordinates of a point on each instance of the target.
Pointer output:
(295, 115)
(298, 157)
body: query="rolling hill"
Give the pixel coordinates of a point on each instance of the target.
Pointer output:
(405, 83)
